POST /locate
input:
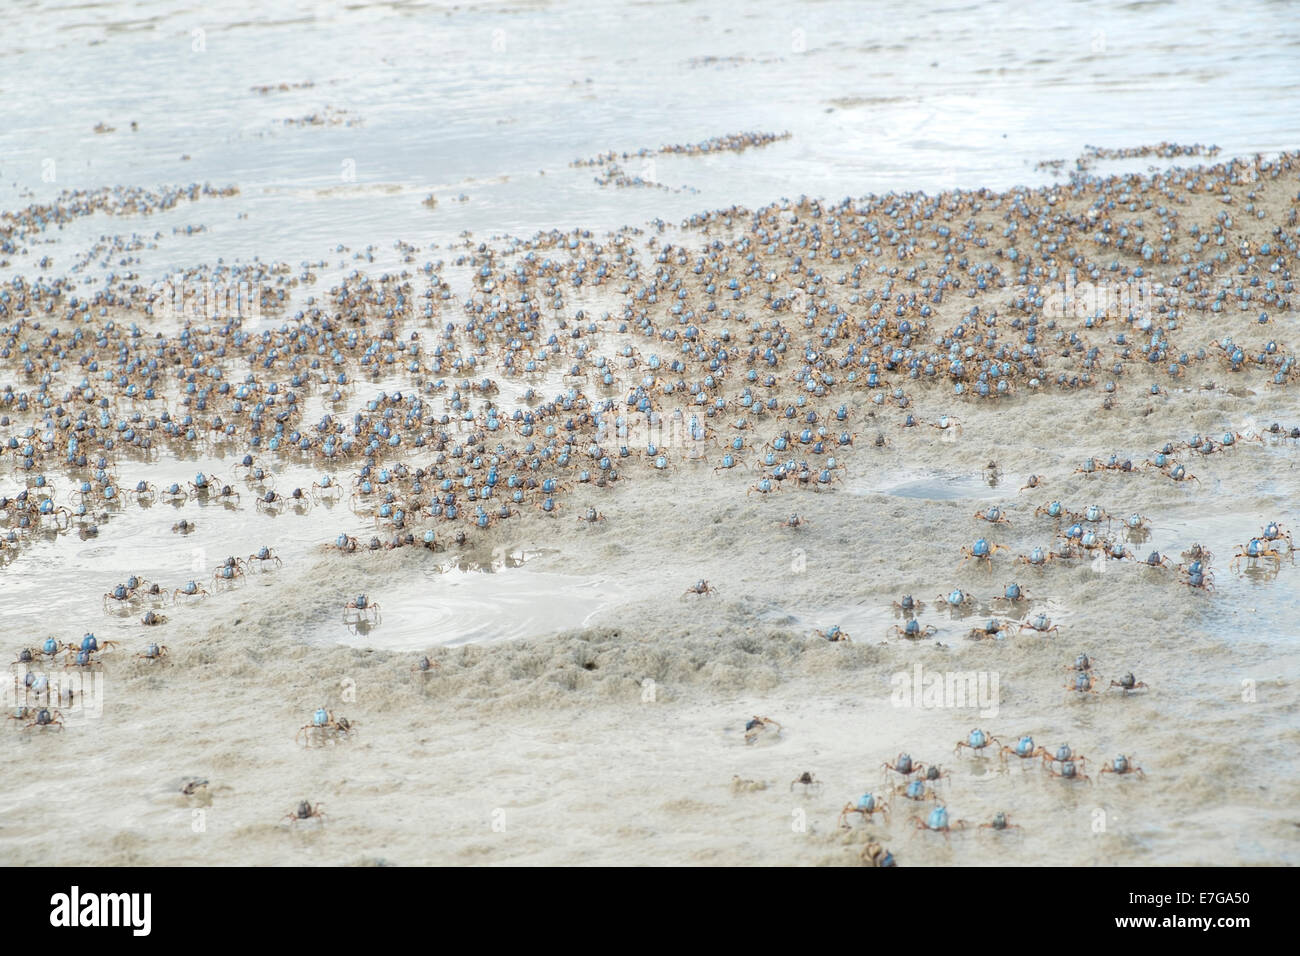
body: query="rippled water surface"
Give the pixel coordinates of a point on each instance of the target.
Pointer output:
(484, 106)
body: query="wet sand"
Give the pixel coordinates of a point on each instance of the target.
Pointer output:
(606, 723)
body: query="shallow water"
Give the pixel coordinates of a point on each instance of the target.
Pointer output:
(941, 487)
(482, 101)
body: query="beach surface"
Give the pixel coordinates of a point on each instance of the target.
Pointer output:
(585, 708)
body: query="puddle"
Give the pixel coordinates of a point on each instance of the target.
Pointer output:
(936, 486)
(1262, 589)
(452, 607)
(56, 582)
